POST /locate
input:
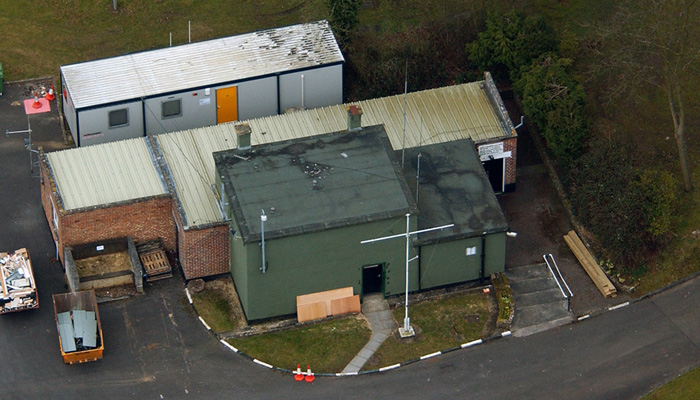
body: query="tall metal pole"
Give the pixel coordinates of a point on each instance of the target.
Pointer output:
(263, 218)
(407, 330)
(406, 320)
(405, 90)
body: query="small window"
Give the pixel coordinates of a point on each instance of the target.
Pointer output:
(118, 118)
(171, 108)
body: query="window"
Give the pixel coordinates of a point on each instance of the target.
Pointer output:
(118, 118)
(171, 108)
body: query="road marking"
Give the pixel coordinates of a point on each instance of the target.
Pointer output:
(204, 323)
(187, 292)
(619, 306)
(584, 317)
(235, 350)
(472, 343)
(506, 333)
(264, 364)
(389, 367)
(437, 353)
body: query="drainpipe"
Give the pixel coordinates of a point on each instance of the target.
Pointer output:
(522, 121)
(483, 258)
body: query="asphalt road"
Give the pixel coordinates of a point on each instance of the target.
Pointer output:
(156, 348)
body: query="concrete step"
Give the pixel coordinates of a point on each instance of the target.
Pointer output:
(374, 303)
(527, 272)
(540, 297)
(531, 285)
(539, 314)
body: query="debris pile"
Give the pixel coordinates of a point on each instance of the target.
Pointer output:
(18, 285)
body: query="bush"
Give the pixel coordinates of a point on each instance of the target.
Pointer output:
(555, 103)
(511, 41)
(629, 210)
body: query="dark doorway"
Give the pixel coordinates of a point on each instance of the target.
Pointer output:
(372, 278)
(494, 170)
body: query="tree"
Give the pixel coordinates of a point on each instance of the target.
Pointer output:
(344, 17)
(555, 102)
(655, 42)
(511, 41)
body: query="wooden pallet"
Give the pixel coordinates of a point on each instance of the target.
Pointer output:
(155, 265)
(590, 265)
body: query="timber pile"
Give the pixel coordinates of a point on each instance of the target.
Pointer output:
(17, 281)
(590, 265)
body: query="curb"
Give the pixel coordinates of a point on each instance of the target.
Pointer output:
(340, 374)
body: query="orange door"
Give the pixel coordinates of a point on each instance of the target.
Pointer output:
(227, 104)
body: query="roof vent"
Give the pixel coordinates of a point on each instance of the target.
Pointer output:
(243, 136)
(354, 118)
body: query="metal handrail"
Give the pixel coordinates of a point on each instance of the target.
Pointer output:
(556, 280)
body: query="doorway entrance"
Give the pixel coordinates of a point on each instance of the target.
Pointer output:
(227, 104)
(494, 170)
(372, 279)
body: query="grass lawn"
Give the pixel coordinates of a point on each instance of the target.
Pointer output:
(327, 346)
(687, 386)
(215, 309)
(439, 324)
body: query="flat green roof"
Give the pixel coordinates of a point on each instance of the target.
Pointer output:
(315, 183)
(453, 189)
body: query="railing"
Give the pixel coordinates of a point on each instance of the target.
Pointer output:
(560, 278)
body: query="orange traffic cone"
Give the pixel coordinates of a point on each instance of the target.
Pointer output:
(36, 101)
(309, 375)
(298, 376)
(50, 96)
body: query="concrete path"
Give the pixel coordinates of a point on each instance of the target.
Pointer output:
(376, 309)
(539, 304)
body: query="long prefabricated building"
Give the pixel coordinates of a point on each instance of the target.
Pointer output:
(201, 84)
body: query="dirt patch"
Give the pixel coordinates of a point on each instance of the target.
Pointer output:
(116, 292)
(104, 263)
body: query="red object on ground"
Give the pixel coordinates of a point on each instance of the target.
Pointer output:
(50, 96)
(36, 101)
(309, 375)
(298, 376)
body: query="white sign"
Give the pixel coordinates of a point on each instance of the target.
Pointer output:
(100, 247)
(204, 101)
(489, 149)
(471, 251)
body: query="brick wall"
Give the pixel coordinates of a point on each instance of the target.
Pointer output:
(510, 145)
(143, 220)
(203, 252)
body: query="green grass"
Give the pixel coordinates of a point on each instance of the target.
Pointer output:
(327, 346)
(686, 386)
(215, 310)
(38, 37)
(440, 324)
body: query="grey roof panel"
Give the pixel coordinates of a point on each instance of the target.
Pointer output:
(201, 64)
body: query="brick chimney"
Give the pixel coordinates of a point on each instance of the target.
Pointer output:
(243, 136)
(354, 118)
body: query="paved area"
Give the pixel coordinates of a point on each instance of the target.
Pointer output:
(381, 322)
(539, 303)
(156, 348)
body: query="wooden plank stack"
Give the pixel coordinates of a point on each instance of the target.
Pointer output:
(330, 302)
(590, 265)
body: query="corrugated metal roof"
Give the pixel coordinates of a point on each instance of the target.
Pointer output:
(189, 157)
(432, 116)
(105, 174)
(201, 64)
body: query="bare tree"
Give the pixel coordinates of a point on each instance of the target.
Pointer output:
(655, 42)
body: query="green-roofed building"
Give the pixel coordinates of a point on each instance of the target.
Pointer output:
(323, 195)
